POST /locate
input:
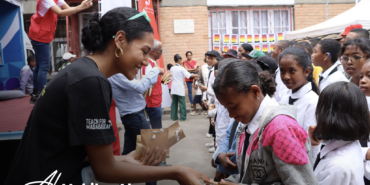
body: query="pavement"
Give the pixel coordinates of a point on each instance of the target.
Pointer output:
(190, 151)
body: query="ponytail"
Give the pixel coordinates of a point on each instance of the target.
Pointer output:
(268, 84)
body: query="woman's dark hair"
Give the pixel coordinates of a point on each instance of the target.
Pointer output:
(186, 54)
(169, 66)
(177, 57)
(363, 44)
(241, 75)
(330, 46)
(304, 59)
(305, 45)
(342, 113)
(97, 33)
(247, 47)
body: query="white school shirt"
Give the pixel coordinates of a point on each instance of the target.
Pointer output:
(45, 5)
(306, 104)
(335, 77)
(205, 72)
(222, 124)
(339, 66)
(178, 75)
(365, 149)
(198, 91)
(341, 164)
(210, 92)
(280, 86)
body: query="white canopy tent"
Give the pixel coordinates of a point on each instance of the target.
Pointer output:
(356, 15)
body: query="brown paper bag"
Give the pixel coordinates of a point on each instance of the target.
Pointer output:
(140, 149)
(175, 134)
(152, 138)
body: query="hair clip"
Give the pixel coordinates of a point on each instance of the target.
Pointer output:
(143, 13)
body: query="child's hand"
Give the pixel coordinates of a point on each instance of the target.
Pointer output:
(314, 142)
(227, 183)
(225, 161)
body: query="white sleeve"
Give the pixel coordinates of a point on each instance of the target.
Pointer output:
(44, 6)
(185, 73)
(61, 2)
(366, 163)
(310, 117)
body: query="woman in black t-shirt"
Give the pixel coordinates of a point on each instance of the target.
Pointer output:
(70, 122)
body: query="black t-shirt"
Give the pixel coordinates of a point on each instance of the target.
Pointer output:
(72, 111)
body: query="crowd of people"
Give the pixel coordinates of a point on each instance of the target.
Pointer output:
(297, 115)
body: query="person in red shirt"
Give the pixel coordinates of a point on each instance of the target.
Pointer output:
(191, 66)
(41, 33)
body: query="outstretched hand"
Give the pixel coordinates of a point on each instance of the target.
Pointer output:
(147, 159)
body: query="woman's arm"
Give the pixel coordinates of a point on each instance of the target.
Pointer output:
(71, 10)
(107, 169)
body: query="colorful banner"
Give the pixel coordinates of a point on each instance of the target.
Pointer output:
(217, 48)
(264, 38)
(257, 47)
(216, 38)
(272, 45)
(256, 38)
(249, 38)
(227, 38)
(234, 47)
(148, 7)
(280, 36)
(242, 39)
(272, 37)
(225, 48)
(265, 48)
(234, 39)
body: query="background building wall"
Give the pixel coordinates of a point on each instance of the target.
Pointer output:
(196, 42)
(175, 3)
(306, 15)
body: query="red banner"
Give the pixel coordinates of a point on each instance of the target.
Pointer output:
(147, 5)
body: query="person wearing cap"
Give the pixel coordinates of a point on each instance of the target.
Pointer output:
(244, 48)
(68, 58)
(349, 28)
(231, 54)
(253, 54)
(267, 64)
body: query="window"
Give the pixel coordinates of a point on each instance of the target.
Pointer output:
(251, 21)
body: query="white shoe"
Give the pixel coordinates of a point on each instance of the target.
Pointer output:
(209, 145)
(208, 135)
(193, 113)
(212, 150)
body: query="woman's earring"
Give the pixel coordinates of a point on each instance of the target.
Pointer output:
(258, 98)
(121, 52)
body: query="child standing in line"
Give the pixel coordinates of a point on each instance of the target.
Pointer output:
(168, 71)
(354, 54)
(197, 98)
(270, 145)
(342, 120)
(325, 54)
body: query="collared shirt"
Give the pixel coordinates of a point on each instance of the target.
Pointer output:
(280, 86)
(128, 94)
(178, 74)
(329, 79)
(254, 123)
(341, 164)
(223, 122)
(340, 66)
(306, 104)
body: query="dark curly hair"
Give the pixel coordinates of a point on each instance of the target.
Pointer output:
(241, 75)
(363, 44)
(97, 33)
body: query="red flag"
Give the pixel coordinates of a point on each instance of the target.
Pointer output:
(147, 5)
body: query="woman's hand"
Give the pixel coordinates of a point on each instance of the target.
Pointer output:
(86, 4)
(225, 161)
(186, 175)
(148, 159)
(314, 142)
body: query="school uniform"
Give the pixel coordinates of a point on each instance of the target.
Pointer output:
(178, 91)
(330, 76)
(340, 163)
(364, 151)
(280, 86)
(198, 94)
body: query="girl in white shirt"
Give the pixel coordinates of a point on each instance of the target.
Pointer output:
(296, 73)
(342, 120)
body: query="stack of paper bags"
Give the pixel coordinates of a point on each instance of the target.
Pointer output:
(162, 138)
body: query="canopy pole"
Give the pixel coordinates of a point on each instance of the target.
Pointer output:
(327, 9)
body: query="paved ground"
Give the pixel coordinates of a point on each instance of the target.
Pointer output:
(190, 151)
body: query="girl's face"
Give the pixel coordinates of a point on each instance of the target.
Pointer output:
(240, 51)
(292, 74)
(241, 106)
(135, 55)
(318, 57)
(357, 58)
(365, 79)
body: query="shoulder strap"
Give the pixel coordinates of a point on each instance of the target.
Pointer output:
(232, 133)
